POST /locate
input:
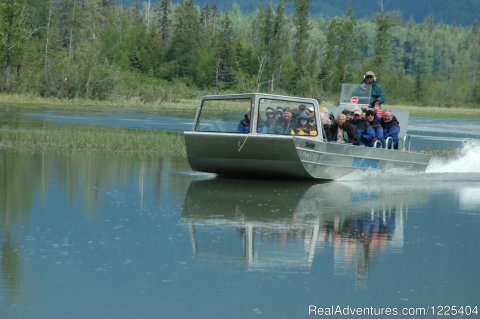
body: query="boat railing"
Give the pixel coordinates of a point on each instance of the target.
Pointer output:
(406, 143)
(389, 143)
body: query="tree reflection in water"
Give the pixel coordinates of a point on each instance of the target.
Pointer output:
(27, 179)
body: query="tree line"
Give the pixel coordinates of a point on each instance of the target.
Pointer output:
(98, 49)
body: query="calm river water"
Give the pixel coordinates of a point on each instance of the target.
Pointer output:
(123, 236)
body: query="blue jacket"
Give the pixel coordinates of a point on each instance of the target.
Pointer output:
(391, 129)
(244, 126)
(366, 133)
(377, 128)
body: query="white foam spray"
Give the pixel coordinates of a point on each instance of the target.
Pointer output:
(464, 163)
(467, 160)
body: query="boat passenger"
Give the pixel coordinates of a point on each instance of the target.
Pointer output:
(277, 118)
(348, 115)
(325, 119)
(304, 127)
(278, 113)
(285, 124)
(378, 112)
(366, 133)
(342, 131)
(372, 120)
(244, 125)
(302, 108)
(261, 126)
(311, 115)
(391, 128)
(270, 114)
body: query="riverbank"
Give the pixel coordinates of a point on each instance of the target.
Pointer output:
(189, 105)
(134, 104)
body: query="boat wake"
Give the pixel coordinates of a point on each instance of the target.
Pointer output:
(464, 165)
(467, 160)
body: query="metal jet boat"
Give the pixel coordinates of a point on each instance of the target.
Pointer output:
(216, 145)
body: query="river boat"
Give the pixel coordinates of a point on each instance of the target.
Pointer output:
(215, 144)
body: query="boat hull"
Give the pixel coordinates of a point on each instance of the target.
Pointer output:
(290, 156)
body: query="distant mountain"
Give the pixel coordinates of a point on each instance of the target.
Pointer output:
(462, 12)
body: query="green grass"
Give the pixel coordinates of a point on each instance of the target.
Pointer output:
(96, 139)
(28, 101)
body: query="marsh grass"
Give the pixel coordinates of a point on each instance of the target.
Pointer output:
(96, 139)
(132, 104)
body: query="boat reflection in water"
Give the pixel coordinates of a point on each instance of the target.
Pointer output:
(280, 226)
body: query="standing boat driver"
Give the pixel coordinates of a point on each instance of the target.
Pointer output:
(377, 96)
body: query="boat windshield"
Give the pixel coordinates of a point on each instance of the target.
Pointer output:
(355, 95)
(271, 116)
(224, 115)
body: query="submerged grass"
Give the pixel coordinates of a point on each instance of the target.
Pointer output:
(97, 139)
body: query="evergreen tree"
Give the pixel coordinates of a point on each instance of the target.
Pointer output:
(341, 53)
(12, 40)
(330, 74)
(278, 45)
(224, 66)
(154, 49)
(165, 20)
(264, 38)
(302, 39)
(474, 53)
(246, 64)
(181, 55)
(347, 46)
(382, 39)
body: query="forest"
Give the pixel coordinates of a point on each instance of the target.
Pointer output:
(164, 51)
(461, 12)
